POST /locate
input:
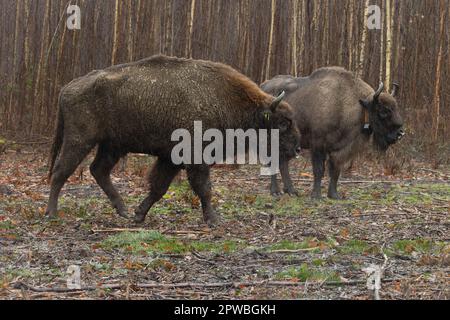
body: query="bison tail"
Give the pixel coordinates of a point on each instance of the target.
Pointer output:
(57, 142)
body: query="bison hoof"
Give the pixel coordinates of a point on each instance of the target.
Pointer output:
(50, 213)
(334, 196)
(292, 192)
(123, 214)
(139, 218)
(275, 192)
(316, 196)
(212, 220)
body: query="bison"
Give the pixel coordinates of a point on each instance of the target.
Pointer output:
(337, 114)
(135, 107)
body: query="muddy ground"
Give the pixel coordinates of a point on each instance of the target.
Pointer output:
(284, 248)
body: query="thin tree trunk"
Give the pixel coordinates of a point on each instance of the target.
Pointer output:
(130, 33)
(190, 29)
(381, 77)
(388, 44)
(294, 38)
(14, 83)
(360, 68)
(437, 100)
(35, 121)
(272, 26)
(116, 32)
(350, 35)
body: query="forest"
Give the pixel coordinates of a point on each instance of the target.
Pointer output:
(395, 208)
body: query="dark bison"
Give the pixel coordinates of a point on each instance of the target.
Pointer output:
(135, 108)
(337, 114)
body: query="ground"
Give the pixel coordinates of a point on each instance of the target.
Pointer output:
(265, 247)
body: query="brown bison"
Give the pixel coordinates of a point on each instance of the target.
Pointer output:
(337, 114)
(136, 107)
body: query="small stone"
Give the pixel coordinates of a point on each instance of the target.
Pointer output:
(5, 190)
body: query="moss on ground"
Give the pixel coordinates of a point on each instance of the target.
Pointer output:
(155, 242)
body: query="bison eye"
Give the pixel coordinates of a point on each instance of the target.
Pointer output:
(384, 113)
(285, 124)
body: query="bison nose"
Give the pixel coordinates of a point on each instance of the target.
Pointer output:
(400, 134)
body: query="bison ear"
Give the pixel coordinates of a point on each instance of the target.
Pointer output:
(365, 104)
(277, 101)
(395, 89)
(266, 114)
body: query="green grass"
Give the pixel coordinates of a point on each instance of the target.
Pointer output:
(417, 245)
(400, 194)
(307, 273)
(293, 245)
(6, 225)
(11, 274)
(354, 246)
(155, 242)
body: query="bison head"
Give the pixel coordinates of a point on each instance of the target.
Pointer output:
(384, 117)
(280, 115)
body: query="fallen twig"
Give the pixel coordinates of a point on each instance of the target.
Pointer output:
(24, 286)
(119, 230)
(292, 250)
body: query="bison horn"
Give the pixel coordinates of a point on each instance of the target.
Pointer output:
(378, 92)
(395, 89)
(277, 101)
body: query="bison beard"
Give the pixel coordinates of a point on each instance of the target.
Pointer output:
(330, 108)
(135, 107)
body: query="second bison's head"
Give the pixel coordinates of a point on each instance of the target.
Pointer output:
(384, 117)
(280, 115)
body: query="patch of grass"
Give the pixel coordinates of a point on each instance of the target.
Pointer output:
(82, 207)
(98, 266)
(354, 246)
(305, 272)
(417, 245)
(319, 262)
(292, 245)
(179, 191)
(287, 205)
(225, 246)
(155, 242)
(6, 225)
(19, 272)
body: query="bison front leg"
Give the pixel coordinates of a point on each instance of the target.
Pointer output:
(274, 187)
(318, 164)
(334, 172)
(201, 184)
(287, 182)
(160, 178)
(101, 168)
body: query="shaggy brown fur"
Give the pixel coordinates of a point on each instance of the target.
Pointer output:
(329, 107)
(135, 107)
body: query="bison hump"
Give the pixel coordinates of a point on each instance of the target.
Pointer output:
(107, 81)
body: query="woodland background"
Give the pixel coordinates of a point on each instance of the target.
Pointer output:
(260, 38)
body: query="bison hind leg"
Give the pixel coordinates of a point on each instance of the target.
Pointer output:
(71, 155)
(105, 160)
(318, 164)
(200, 182)
(160, 177)
(334, 171)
